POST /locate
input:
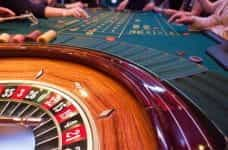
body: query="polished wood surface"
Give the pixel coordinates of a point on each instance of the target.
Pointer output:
(132, 109)
(126, 126)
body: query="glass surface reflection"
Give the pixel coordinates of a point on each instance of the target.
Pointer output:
(16, 137)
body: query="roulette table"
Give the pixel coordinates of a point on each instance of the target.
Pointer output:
(114, 81)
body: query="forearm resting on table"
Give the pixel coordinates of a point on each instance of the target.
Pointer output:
(55, 12)
(208, 22)
(222, 20)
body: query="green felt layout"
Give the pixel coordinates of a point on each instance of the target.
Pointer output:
(207, 91)
(146, 29)
(164, 65)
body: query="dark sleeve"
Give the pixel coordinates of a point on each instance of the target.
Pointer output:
(23, 6)
(137, 4)
(38, 9)
(158, 2)
(175, 4)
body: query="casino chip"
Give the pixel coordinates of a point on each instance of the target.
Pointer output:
(60, 21)
(110, 38)
(137, 20)
(18, 38)
(146, 27)
(180, 53)
(136, 26)
(195, 59)
(74, 29)
(186, 33)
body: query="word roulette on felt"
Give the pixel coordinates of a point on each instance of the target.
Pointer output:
(116, 81)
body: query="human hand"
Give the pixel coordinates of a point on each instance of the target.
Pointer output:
(203, 23)
(158, 9)
(169, 12)
(181, 17)
(76, 12)
(122, 5)
(6, 12)
(185, 20)
(150, 6)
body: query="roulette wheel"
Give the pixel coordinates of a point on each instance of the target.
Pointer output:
(46, 125)
(56, 100)
(61, 97)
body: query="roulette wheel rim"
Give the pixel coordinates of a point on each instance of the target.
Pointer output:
(138, 81)
(101, 61)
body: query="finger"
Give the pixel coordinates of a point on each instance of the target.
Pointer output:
(145, 8)
(169, 12)
(11, 13)
(158, 9)
(149, 7)
(180, 21)
(80, 5)
(123, 6)
(185, 20)
(83, 13)
(120, 8)
(6, 11)
(172, 18)
(76, 13)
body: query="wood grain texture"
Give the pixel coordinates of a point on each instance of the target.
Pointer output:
(128, 127)
(130, 106)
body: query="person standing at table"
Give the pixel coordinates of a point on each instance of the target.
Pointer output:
(217, 21)
(40, 8)
(153, 5)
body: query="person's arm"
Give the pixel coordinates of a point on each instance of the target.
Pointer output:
(202, 23)
(196, 9)
(6, 12)
(207, 6)
(165, 4)
(221, 20)
(75, 4)
(56, 12)
(122, 5)
(149, 7)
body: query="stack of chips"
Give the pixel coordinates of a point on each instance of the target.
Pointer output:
(34, 36)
